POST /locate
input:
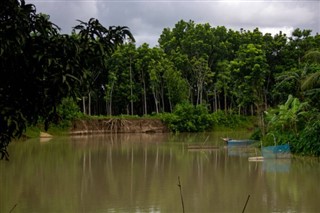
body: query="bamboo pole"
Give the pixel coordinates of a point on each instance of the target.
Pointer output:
(180, 187)
(13, 208)
(245, 205)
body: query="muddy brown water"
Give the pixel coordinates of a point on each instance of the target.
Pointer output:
(139, 173)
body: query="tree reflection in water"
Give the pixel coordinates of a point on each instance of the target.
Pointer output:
(138, 172)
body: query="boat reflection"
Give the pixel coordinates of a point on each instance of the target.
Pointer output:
(241, 151)
(276, 165)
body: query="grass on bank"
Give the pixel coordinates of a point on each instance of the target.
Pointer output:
(56, 130)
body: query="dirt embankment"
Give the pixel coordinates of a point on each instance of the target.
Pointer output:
(118, 125)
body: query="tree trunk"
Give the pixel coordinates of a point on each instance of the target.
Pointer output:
(89, 103)
(145, 111)
(260, 116)
(225, 101)
(110, 99)
(155, 100)
(265, 102)
(218, 101)
(131, 93)
(170, 105)
(162, 99)
(110, 104)
(107, 107)
(200, 94)
(252, 110)
(144, 94)
(84, 104)
(215, 100)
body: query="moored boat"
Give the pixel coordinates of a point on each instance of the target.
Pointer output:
(226, 139)
(243, 142)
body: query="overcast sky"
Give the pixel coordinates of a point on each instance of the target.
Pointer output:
(147, 19)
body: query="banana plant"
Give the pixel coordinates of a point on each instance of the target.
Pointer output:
(287, 116)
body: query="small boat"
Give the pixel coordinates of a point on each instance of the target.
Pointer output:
(276, 152)
(226, 139)
(243, 142)
(231, 141)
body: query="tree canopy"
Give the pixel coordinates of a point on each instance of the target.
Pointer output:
(40, 66)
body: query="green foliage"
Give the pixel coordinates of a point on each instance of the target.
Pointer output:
(68, 110)
(309, 140)
(188, 118)
(221, 119)
(289, 117)
(250, 71)
(256, 135)
(121, 88)
(230, 120)
(177, 87)
(278, 138)
(284, 122)
(294, 123)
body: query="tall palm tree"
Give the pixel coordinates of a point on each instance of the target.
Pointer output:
(98, 44)
(109, 38)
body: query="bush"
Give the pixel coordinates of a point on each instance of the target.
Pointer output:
(68, 110)
(279, 138)
(188, 118)
(309, 140)
(229, 120)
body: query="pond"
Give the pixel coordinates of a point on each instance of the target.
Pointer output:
(139, 173)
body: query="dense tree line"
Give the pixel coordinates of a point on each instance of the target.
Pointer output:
(240, 71)
(105, 73)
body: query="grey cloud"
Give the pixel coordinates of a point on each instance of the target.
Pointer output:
(66, 13)
(147, 19)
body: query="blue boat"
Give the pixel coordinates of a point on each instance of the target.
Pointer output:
(276, 152)
(244, 142)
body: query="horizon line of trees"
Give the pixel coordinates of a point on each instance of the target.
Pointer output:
(244, 72)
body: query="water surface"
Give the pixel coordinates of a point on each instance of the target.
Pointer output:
(139, 173)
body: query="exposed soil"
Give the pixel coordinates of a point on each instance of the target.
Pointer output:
(118, 125)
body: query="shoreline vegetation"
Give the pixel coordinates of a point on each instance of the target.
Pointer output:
(136, 125)
(185, 118)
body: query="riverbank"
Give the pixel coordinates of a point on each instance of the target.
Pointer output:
(107, 125)
(101, 125)
(117, 125)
